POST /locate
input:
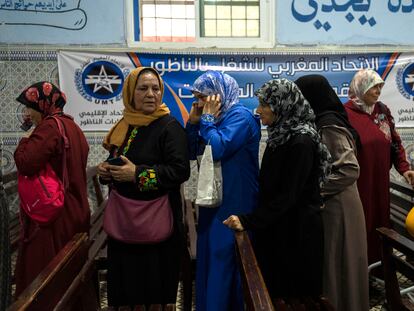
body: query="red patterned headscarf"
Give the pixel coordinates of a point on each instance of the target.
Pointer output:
(43, 97)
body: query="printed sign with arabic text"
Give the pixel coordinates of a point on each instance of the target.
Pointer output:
(93, 81)
(345, 22)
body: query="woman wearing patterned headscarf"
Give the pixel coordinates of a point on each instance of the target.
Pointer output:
(44, 145)
(345, 269)
(233, 132)
(152, 148)
(287, 223)
(380, 148)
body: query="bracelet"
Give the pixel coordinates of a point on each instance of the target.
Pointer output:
(207, 117)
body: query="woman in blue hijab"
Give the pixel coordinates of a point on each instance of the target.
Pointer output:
(233, 132)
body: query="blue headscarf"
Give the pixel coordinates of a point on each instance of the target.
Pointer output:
(215, 82)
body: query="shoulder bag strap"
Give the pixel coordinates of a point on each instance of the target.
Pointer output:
(61, 128)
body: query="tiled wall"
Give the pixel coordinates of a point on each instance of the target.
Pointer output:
(18, 69)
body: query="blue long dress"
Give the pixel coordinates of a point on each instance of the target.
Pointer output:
(235, 142)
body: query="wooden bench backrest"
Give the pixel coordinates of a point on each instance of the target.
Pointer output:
(92, 174)
(10, 188)
(83, 292)
(392, 263)
(10, 183)
(255, 292)
(190, 221)
(52, 282)
(254, 288)
(189, 256)
(401, 202)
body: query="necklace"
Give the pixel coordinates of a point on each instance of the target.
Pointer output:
(130, 139)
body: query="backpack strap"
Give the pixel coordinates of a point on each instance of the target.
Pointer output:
(66, 145)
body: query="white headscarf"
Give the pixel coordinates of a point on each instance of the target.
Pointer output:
(360, 84)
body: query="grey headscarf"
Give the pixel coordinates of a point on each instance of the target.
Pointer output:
(294, 116)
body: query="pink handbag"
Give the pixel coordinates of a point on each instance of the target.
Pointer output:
(42, 196)
(138, 222)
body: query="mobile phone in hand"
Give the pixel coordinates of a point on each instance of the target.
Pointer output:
(116, 161)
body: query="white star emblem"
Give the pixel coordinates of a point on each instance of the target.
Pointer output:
(103, 80)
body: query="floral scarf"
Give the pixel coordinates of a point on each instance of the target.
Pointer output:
(43, 97)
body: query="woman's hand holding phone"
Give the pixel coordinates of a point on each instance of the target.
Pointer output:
(116, 161)
(103, 171)
(195, 112)
(122, 172)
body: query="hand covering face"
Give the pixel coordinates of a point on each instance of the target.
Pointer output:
(294, 116)
(131, 116)
(214, 82)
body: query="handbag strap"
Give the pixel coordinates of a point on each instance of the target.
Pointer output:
(61, 128)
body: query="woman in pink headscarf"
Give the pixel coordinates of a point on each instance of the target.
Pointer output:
(379, 149)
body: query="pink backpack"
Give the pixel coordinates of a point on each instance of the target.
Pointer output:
(42, 196)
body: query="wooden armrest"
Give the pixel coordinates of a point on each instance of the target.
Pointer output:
(192, 233)
(402, 187)
(397, 241)
(53, 281)
(255, 290)
(92, 174)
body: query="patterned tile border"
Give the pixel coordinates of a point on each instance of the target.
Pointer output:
(19, 55)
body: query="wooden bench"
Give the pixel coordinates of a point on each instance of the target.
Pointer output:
(10, 188)
(189, 258)
(392, 263)
(97, 236)
(83, 292)
(49, 286)
(401, 202)
(255, 292)
(96, 232)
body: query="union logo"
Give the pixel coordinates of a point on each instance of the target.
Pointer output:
(405, 81)
(101, 80)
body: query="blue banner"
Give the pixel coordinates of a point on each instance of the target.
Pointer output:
(93, 81)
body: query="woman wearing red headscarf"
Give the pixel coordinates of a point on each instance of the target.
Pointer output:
(40, 243)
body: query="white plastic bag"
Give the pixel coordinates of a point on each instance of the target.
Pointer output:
(210, 182)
